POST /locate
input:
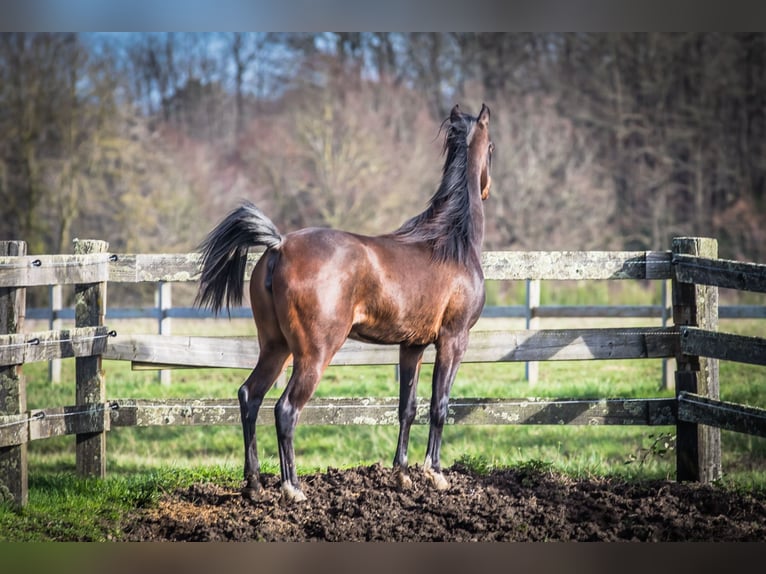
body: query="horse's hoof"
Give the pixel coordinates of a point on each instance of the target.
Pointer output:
(250, 493)
(403, 480)
(436, 479)
(292, 493)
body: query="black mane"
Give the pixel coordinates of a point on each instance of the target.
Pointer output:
(446, 224)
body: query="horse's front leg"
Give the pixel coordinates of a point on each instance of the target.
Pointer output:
(449, 354)
(410, 359)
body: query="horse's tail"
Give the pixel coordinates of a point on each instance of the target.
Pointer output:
(224, 255)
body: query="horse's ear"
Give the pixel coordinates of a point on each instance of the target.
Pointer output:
(484, 115)
(454, 115)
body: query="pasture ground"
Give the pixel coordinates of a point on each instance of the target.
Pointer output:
(523, 504)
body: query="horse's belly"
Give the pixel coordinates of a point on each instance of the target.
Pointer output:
(415, 329)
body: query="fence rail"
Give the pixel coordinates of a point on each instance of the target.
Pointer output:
(384, 411)
(693, 339)
(490, 312)
(485, 346)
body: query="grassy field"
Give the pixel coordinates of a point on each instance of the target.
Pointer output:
(142, 462)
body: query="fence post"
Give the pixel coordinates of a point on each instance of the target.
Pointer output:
(531, 368)
(90, 309)
(56, 294)
(14, 478)
(164, 302)
(698, 447)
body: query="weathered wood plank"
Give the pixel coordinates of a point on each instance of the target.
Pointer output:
(721, 414)
(383, 411)
(233, 352)
(171, 267)
(484, 346)
(505, 265)
(13, 390)
(724, 346)
(32, 270)
(698, 452)
(532, 321)
(159, 412)
(54, 421)
(90, 388)
(74, 419)
(68, 420)
(720, 272)
(153, 267)
(502, 265)
(14, 431)
(46, 345)
(512, 265)
(571, 344)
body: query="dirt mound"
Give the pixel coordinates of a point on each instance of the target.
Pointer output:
(363, 504)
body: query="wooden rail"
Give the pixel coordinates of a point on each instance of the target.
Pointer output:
(484, 346)
(693, 340)
(384, 411)
(78, 419)
(723, 346)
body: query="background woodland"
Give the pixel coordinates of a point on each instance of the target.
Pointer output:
(603, 141)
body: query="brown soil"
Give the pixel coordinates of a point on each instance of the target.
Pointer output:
(363, 504)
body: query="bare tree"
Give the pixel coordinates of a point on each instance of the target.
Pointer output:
(332, 156)
(631, 138)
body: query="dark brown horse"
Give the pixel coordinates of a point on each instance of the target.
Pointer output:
(314, 288)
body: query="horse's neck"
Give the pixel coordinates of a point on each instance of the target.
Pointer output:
(477, 215)
(478, 234)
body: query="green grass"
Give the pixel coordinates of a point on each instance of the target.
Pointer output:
(144, 462)
(63, 507)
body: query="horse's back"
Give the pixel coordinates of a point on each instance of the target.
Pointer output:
(376, 289)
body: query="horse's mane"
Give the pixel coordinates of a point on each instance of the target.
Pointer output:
(446, 223)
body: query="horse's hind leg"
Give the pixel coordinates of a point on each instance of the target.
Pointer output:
(409, 369)
(302, 384)
(271, 362)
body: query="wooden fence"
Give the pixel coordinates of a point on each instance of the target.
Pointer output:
(693, 340)
(532, 311)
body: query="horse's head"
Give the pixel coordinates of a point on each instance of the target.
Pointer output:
(480, 146)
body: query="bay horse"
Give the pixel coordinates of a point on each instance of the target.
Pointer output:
(314, 288)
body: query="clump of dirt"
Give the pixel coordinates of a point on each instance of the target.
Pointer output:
(364, 504)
